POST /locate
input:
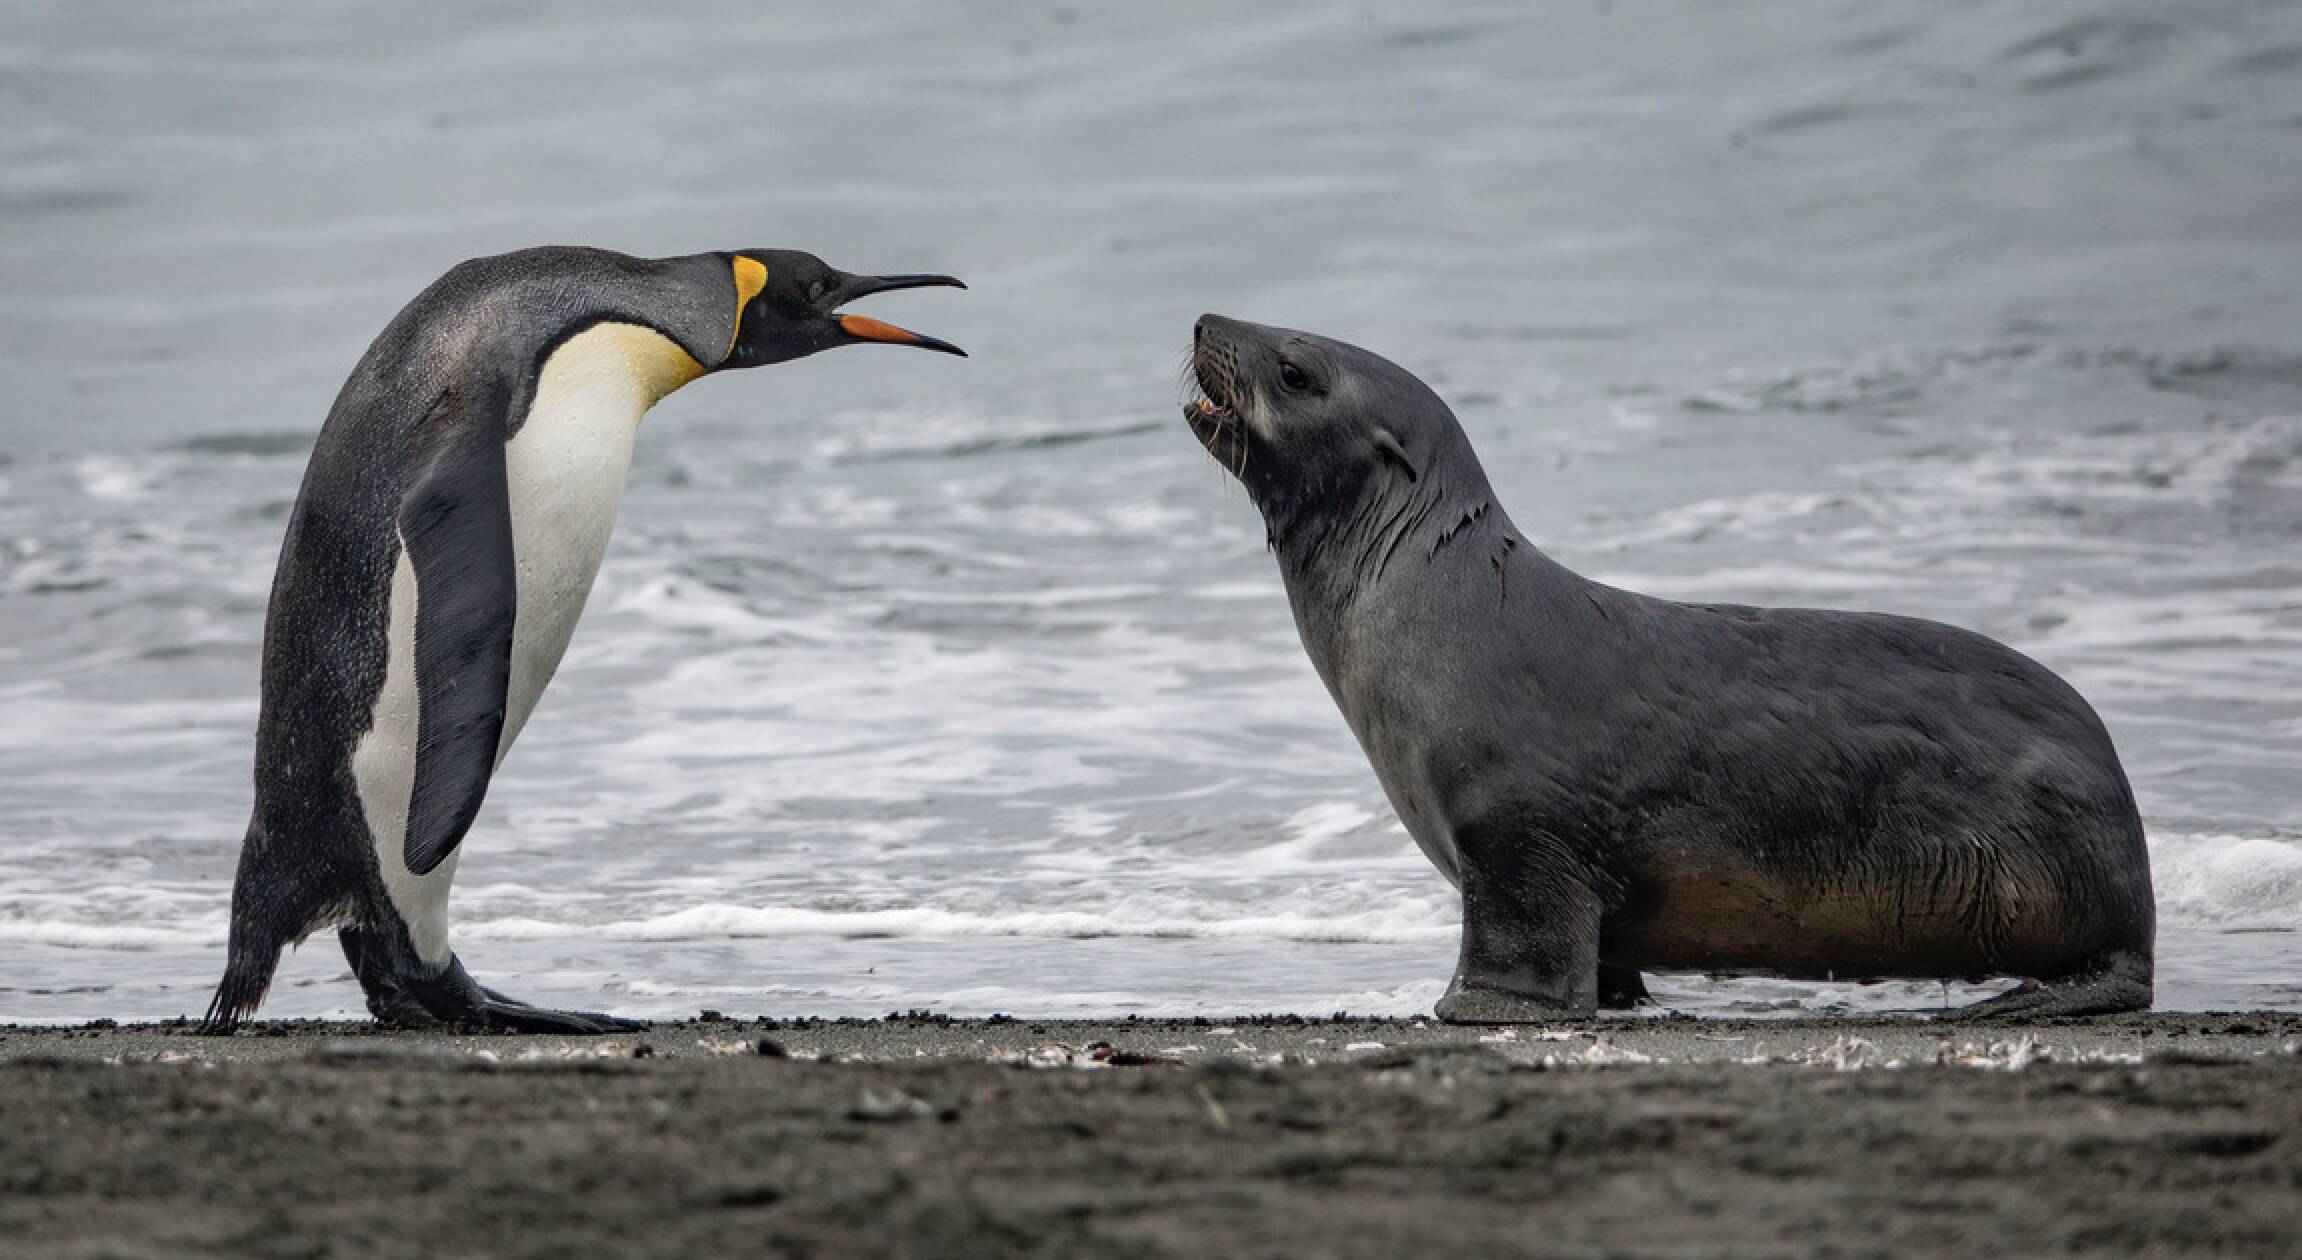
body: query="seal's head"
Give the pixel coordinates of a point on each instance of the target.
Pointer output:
(1296, 416)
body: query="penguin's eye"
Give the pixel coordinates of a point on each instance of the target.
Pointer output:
(1293, 377)
(816, 289)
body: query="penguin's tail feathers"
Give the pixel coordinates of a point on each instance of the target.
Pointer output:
(246, 976)
(262, 906)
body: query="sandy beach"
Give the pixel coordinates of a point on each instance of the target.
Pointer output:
(2159, 1134)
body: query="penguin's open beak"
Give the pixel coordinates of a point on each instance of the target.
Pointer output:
(864, 328)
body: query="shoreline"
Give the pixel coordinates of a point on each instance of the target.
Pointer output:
(1253, 1040)
(930, 1136)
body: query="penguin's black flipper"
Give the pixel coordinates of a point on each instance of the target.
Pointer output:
(456, 523)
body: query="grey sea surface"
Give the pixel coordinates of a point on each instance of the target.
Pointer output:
(968, 686)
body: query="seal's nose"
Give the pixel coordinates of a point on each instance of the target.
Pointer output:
(1221, 329)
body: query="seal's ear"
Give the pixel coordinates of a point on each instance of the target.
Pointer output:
(1388, 447)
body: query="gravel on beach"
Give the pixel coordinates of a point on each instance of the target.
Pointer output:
(924, 1136)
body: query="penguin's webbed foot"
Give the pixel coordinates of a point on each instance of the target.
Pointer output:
(454, 998)
(511, 1015)
(403, 996)
(494, 1016)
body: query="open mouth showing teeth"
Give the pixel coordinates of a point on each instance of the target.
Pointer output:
(1219, 428)
(1214, 415)
(1211, 404)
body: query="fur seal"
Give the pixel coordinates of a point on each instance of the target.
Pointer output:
(1618, 783)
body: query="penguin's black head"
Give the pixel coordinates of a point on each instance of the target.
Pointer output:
(791, 304)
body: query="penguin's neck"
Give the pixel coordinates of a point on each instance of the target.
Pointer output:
(565, 470)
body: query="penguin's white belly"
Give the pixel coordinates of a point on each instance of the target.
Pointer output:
(564, 478)
(565, 472)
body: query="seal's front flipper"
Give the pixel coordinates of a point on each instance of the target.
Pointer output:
(1471, 1004)
(1530, 952)
(2120, 984)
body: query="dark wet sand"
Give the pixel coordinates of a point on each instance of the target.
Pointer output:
(2147, 1135)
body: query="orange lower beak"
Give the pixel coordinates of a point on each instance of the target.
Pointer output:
(865, 328)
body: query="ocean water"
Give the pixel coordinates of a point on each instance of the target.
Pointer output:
(969, 686)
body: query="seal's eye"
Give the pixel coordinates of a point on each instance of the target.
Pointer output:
(1293, 377)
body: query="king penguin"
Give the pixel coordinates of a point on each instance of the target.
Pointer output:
(456, 508)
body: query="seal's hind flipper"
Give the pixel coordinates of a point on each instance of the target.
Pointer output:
(1622, 989)
(2120, 984)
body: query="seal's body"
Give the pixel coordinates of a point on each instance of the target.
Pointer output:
(455, 510)
(1618, 783)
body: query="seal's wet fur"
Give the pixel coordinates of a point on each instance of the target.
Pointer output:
(1618, 783)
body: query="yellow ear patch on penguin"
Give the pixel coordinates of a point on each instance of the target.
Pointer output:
(750, 278)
